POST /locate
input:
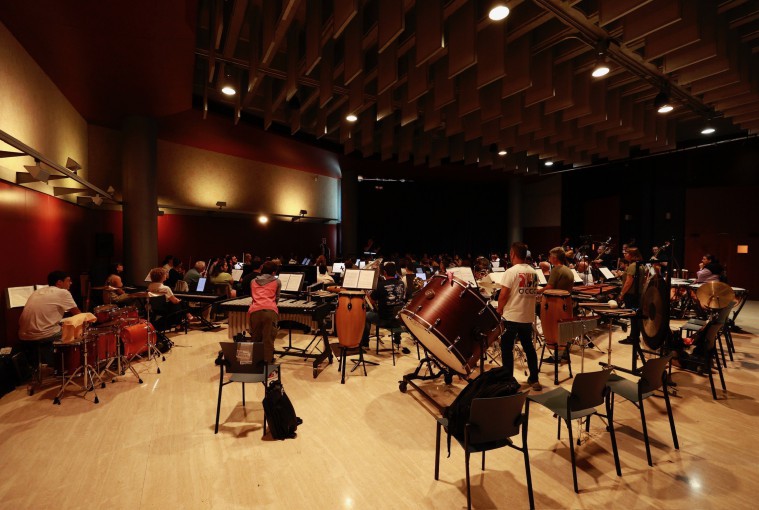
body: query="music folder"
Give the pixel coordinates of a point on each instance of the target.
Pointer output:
(578, 278)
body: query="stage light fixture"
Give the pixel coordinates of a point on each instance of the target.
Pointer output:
(97, 200)
(351, 117)
(303, 212)
(502, 152)
(498, 11)
(37, 172)
(662, 103)
(228, 83)
(221, 204)
(263, 219)
(73, 165)
(602, 67)
(549, 163)
(708, 129)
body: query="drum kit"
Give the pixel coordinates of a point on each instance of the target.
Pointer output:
(118, 337)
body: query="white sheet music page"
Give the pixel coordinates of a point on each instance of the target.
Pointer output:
(541, 277)
(350, 280)
(17, 296)
(578, 279)
(463, 273)
(497, 277)
(291, 281)
(366, 280)
(607, 274)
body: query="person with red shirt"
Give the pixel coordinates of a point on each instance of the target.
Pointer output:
(263, 314)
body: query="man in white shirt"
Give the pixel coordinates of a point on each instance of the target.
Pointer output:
(516, 303)
(40, 320)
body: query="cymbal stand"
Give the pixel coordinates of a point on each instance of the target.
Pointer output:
(153, 351)
(88, 373)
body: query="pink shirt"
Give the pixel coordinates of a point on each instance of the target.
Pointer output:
(264, 297)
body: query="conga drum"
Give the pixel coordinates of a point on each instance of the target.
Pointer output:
(556, 305)
(451, 320)
(350, 317)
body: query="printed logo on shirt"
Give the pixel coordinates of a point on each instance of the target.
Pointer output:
(528, 283)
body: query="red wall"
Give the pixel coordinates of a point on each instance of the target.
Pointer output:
(716, 221)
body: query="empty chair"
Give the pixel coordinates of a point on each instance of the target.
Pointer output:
(492, 423)
(589, 390)
(653, 376)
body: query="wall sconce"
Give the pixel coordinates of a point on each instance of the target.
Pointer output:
(73, 165)
(742, 248)
(97, 200)
(221, 204)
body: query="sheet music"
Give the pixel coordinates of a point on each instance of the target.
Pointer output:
(541, 277)
(245, 353)
(350, 281)
(38, 287)
(578, 278)
(291, 282)
(366, 280)
(359, 279)
(497, 277)
(463, 273)
(17, 296)
(606, 273)
(236, 274)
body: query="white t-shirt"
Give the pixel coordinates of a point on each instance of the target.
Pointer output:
(523, 283)
(43, 312)
(160, 288)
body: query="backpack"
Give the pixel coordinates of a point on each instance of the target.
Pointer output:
(279, 411)
(493, 383)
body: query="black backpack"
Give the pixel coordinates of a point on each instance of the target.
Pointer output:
(280, 414)
(493, 383)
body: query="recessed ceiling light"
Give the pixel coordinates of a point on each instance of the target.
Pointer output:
(263, 219)
(708, 130)
(351, 118)
(498, 12)
(549, 163)
(228, 90)
(502, 153)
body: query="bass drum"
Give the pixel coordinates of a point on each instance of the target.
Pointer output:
(350, 317)
(654, 312)
(447, 317)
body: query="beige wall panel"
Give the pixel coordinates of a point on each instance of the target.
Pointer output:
(198, 178)
(34, 111)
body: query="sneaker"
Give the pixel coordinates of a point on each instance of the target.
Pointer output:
(536, 386)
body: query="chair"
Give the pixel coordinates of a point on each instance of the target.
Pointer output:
(705, 353)
(723, 317)
(653, 376)
(589, 390)
(256, 371)
(492, 423)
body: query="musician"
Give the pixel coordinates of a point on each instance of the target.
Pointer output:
(389, 297)
(583, 269)
(631, 290)
(322, 276)
(39, 321)
(246, 280)
(117, 295)
(545, 268)
(324, 250)
(168, 263)
(158, 275)
(516, 304)
(709, 269)
(176, 272)
(561, 277)
(220, 274)
(263, 314)
(193, 275)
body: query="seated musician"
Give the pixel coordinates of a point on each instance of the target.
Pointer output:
(193, 275)
(322, 276)
(40, 320)
(220, 276)
(586, 274)
(246, 280)
(709, 270)
(176, 273)
(389, 298)
(263, 314)
(157, 276)
(116, 295)
(561, 277)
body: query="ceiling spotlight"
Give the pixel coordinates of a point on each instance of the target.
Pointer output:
(228, 90)
(360, 178)
(662, 103)
(36, 171)
(602, 67)
(708, 129)
(97, 200)
(549, 163)
(498, 12)
(263, 219)
(228, 83)
(221, 204)
(502, 152)
(351, 118)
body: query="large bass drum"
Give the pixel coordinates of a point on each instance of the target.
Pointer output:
(448, 318)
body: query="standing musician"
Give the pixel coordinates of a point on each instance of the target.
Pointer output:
(389, 297)
(561, 277)
(516, 304)
(631, 291)
(263, 314)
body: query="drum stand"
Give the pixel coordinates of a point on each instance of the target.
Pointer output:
(431, 375)
(87, 372)
(122, 362)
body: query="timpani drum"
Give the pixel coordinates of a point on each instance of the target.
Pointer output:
(451, 319)
(556, 305)
(350, 317)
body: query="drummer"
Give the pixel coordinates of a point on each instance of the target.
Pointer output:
(516, 303)
(115, 294)
(561, 277)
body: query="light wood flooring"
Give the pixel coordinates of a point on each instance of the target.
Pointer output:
(363, 444)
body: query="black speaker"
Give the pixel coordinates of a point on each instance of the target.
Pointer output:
(104, 245)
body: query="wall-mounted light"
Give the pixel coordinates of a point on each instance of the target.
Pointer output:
(73, 165)
(37, 172)
(97, 200)
(498, 11)
(742, 248)
(221, 204)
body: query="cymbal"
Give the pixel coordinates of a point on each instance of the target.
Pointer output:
(715, 295)
(104, 287)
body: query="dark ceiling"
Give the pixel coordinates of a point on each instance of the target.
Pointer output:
(437, 81)
(431, 81)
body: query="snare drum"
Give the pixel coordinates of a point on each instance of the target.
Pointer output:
(555, 306)
(70, 355)
(105, 313)
(350, 317)
(447, 317)
(135, 338)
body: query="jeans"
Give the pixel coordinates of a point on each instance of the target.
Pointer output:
(523, 331)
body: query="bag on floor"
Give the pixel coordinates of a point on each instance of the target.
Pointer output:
(493, 383)
(280, 414)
